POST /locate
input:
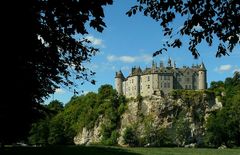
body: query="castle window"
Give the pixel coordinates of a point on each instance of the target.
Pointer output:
(168, 85)
(161, 77)
(148, 78)
(187, 79)
(161, 85)
(148, 86)
(132, 80)
(186, 86)
(190, 87)
(165, 85)
(165, 78)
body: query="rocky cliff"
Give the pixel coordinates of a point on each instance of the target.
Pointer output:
(187, 108)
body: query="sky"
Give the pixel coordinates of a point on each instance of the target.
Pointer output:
(130, 41)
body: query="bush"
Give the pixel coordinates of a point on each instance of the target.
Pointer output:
(130, 136)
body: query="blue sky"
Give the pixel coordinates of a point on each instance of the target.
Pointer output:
(130, 41)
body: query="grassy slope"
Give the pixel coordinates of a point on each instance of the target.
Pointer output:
(73, 150)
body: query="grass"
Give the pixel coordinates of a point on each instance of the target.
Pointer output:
(65, 150)
(103, 150)
(184, 151)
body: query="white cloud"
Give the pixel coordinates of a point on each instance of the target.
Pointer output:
(223, 68)
(130, 59)
(101, 66)
(95, 41)
(59, 91)
(236, 69)
(127, 59)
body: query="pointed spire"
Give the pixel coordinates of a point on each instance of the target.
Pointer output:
(119, 74)
(202, 66)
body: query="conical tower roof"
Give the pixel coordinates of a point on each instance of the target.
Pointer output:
(202, 67)
(119, 74)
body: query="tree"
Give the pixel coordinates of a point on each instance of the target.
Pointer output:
(217, 84)
(85, 111)
(130, 136)
(181, 131)
(223, 126)
(203, 20)
(39, 133)
(56, 131)
(106, 92)
(55, 105)
(43, 53)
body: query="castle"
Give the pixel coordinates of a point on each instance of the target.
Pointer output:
(156, 79)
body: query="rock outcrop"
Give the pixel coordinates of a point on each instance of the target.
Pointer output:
(161, 112)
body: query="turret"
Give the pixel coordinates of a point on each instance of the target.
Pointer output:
(174, 64)
(161, 64)
(119, 82)
(202, 77)
(154, 65)
(169, 62)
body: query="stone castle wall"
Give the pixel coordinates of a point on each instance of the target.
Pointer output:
(165, 79)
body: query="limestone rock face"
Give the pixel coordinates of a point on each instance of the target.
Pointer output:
(162, 111)
(89, 136)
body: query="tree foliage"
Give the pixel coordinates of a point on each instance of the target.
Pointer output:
(223, 127)
(57, 54)
(203, 20)
(55, 106)
(81, 111)
(46, 50)
(130, 136)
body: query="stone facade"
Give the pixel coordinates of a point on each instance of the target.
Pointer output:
(156, 79)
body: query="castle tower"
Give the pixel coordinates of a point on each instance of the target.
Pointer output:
(137, 79)
(202, 77)
(119, 82)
